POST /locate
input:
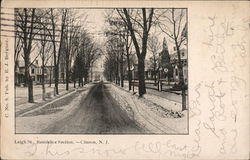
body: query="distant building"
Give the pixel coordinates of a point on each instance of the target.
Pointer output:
(149, 74)
(167, 61)
(35, 72)
(174, 62)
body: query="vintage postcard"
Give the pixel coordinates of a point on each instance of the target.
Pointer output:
(125, 80)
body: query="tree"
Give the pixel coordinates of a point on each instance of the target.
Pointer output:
(173, 24)
(57, 54)
(154, 48)
(26, 24)
(86, 54)
(139, 23)
(165, 61)
(128, 43)
(44, 50)
(71, 44)
(111, 70)
(18, 49)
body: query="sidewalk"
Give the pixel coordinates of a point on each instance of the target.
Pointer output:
(23, 106)
(50, 112)
(159, 115)
(21, 93)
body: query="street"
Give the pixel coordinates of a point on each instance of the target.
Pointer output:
(98, 113)
(90, 80)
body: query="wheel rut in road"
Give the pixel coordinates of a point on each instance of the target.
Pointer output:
(98, 113)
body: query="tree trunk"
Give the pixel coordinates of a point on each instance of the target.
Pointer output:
(29, 84)
(116, 74)
(28, 80)
(82, 81)
(43, 85)
(129, 72)
(141, 74)
(50, 79)
(155, 79)
(67, 72)
(118, 77)
(79, 81)
(181, 79)
(85, 78)
(110, 76)
(30, 90)
(56, 79)
(129, 79)
(121, 70)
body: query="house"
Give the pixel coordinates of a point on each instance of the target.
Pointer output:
(20, 72)
(149, 74)
(35, 72)
(48, 74)
(174, 62)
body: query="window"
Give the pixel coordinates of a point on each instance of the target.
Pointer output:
(182, 54)
(32, 70)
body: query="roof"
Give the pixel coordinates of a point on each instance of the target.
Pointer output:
(22, 64)
(175, 56)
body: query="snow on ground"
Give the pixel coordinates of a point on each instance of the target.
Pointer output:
(21, 95)
(155, 113)
(167, 95)
(38, 119)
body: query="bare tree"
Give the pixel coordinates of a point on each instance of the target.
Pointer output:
(172, 23)
(86, 54)
(113, 54)
(26, 23)
(154, 48)
(128, 43)
(111, 63)
(44, 50)
(71, 44)
(57, 54)
(117, 28)
(139, 22)
(92, 53)
(18, 49)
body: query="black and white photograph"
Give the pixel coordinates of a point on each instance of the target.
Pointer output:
(101, 70)
(105, 79)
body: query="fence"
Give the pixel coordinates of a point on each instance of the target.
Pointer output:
(161, 85)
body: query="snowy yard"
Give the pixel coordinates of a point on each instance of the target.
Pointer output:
(36, 120)
(157, 114)
(21, 94)
(163, 94)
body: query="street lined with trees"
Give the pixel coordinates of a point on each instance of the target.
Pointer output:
(135, 33)
(58, 37)
(119, 70)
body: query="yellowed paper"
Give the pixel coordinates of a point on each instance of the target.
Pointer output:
(218, 92)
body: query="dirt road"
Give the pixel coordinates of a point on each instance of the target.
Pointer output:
(98, 113)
